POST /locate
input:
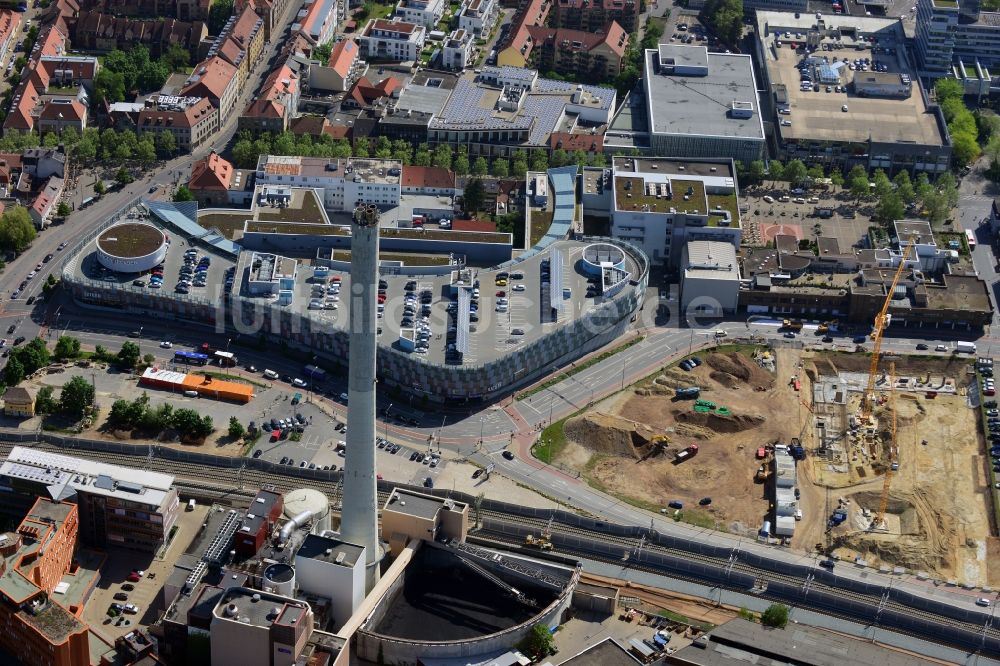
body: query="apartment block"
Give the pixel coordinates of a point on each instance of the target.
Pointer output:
(192, 120)
(421, 12)
(478, 16)
(456, 50)
(118, 506)
(591, 15)
(595, 56)
(392, 40)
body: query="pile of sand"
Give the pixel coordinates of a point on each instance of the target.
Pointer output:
(717, 423)
(608, 435)
(734, 369)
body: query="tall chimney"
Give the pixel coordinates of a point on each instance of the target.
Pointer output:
(359, 515)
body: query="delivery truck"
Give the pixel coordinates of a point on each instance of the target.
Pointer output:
(965, 347)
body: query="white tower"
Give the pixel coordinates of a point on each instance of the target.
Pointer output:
(359, 514)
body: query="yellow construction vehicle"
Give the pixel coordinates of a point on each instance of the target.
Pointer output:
(537, 542)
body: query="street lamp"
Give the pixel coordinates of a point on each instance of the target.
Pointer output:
(385, 423)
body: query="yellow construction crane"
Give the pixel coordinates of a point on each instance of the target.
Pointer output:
(887, 480)
(881, 323)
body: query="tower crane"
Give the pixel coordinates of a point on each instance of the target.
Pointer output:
(883, 504)
(881, 323)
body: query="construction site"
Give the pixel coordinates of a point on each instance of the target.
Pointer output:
(870, 458)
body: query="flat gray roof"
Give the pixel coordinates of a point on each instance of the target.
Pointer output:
(317, 547)
(699, 105)
(606, 653)
(421, 506)
(740, 642)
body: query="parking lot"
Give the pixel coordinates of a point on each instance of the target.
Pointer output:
(849, 231)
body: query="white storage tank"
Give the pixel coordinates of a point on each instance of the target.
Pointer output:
(279, 578)
(309, 499)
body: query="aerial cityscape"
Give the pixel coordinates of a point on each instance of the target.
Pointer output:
(499, 332)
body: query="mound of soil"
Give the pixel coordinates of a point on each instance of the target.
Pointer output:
(719, 424)
(734, 369)
(607, 435)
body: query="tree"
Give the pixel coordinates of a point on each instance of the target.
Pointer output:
(166, 144)
(383, 148)
(904, 187)
(756, 172)
(128, 356)
(518, 168)
(186, 421)
(236, 429)
(500, 167)
(17, 231)
(152, 76)
(66, 347)
(726, 16)
(461, 163)
(964, 148)
(795, 172)
(559, 158)
(123, 177)
(146, 151)
(936, 207)
(85, 150)
(538, 643)
(775, 170)
(816, 172)
(987, 123)
(776, 615)
(480, 167)
(109, 86)
(860, 187)
(473, 196)
(890, 208)
(218, 15)
(77, 395)
(99, 188)
(883, 185)
(949, 188)
(63, 209)
(945, 89)
(13, 372)
(837, 178)
(44, 402)
(539, 161)
(442, 156)
(183, 194)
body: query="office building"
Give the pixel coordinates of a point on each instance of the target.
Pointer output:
(118, 506)
(710, 279)
(702, 104)
(345, 183)
(660, 204)
(953, 35)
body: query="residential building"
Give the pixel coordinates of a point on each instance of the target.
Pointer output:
(277, 104)
(269, 10)
(19, 401)
(756, 5)
(392, 40)
(702, 104)
(478, 16)
(192, 120)
(344, 183)
(22, 114)
(217, 80)
(710, 279)
(433, 181)
(45, 202)
(10, 22)
(241, 43)
(58, 114)
(97, 31)
(515, 46)
(341, 70)
(592, 56)
(211, 179)
(456, 50)
(69, 70)
(254, 628)
(118, 506)
(421, 12)
(917, 139)
(592, 15)
(33, 561)
(364, 94)
(185, 10)
(661, 204)
(950, 33)
(44, 162)
(318, 20)
(503, 109)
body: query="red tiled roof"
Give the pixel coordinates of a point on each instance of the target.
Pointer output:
(211, 172)
(210, 78)
(432, 177)
(614, 36)
(364, 92)
(343, 56)
(393, 26)
(63, 110)
(20, 117)
(84, 69)
(246, 26)
(273, 101)
(232, 52)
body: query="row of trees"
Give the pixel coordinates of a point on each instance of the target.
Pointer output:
(24, 361)
(247, 149)
(961, 123)
(94, 144)
(139, 415)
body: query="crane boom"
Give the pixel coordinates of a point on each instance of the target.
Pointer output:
(881, 323)
(883, 504)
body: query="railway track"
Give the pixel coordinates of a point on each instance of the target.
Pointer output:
(231, 482)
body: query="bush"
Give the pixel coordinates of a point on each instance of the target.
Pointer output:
(776, 616)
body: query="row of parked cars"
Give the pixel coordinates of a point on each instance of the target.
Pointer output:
(194, 273)
(690, 364)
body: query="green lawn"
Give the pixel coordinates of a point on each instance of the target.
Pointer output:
(227, 224)
(540, 223)
(308, 211)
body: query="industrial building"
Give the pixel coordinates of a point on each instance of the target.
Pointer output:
(118, 506)
(252, 627)
(702, 104)
(710, 279)
(259, 522)
(204, 385)
(827, 106)
(660, 204)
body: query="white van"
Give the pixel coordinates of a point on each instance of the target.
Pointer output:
(720, 333)
(191, 394)
(270, 374)
(191, 505)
